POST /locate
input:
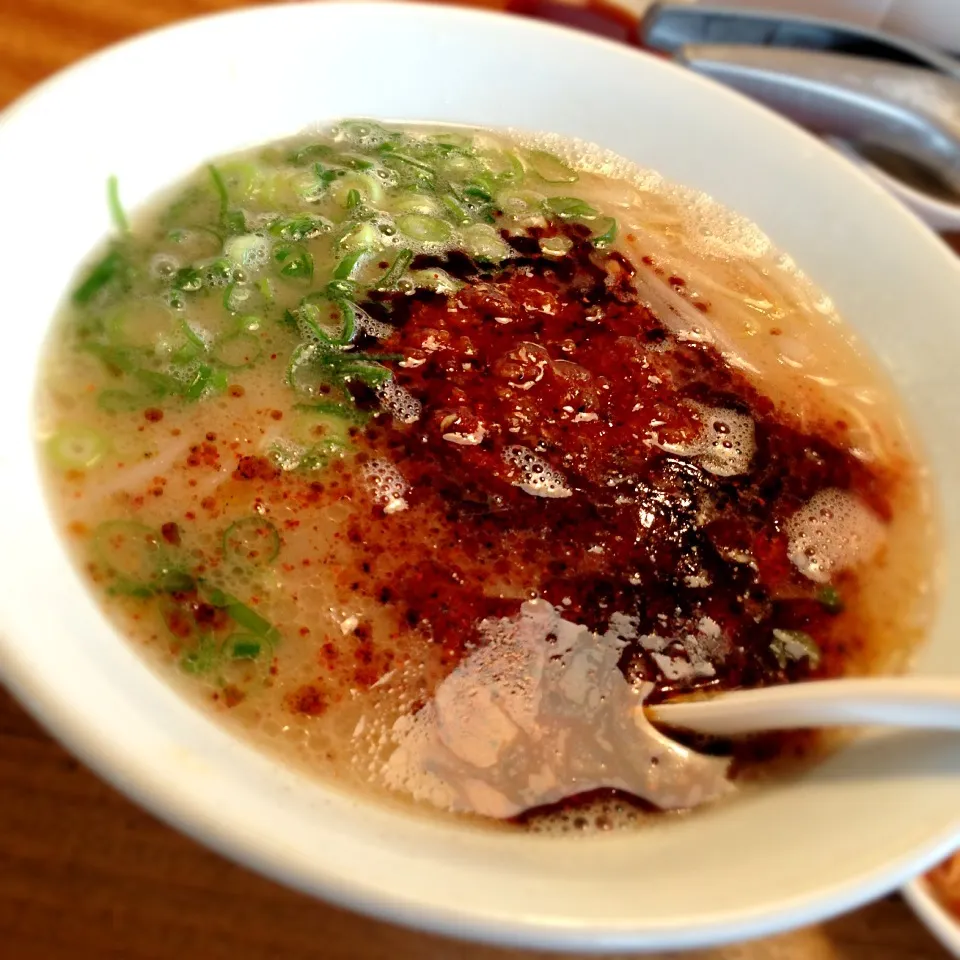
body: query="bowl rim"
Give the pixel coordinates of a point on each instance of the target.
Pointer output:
(135, 776)
(932, 914)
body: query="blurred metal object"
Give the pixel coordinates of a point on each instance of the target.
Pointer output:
(910, 111)
(891, 104)
(668, 27)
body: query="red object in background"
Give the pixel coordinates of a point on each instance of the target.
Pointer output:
(595, 16)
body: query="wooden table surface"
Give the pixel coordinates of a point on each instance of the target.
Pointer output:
(85, 874)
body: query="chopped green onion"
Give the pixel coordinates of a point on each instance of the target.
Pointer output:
(232, 221)
(345, 411)
(144, 325)
(390, 153)
(830, 598)
(157, 385)
(484, 243)
(435, 279)
(416, 203)
(324, 177)
(340, 290)
(242, 646)
(371, 373)
(520, 203)
(250, 250)
(569, 208)
(296, 263)
(299, 228)
(188, 279)
(311, 152)
(606, 233)
(396, 270)
(219, 184)
(454, 208)
(475, 192)
(252, 541)
(117, 213)
(345, 268)
(360, 236)
(331, 330)
(115, 359)
(237, 351)
(556, 246)
(362, 185)
(794, 645)
(205, 380)
(551, 168)
(111, 271)
(250, 620)
(503, 166)
(426, 229)
(201, 660)
(218, 273)
(77, 447)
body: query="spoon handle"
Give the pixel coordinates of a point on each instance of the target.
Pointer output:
(924, 702)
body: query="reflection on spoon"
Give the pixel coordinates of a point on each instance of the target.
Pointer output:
(540, 712)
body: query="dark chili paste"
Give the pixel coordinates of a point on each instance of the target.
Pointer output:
(557, 355)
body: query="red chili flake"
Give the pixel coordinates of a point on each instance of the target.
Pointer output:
(276, 414)
(304, 631)
(233, 695)
(171, 533)
(179, 621)
(208, 503)
(153, 414)
(235, 390)
(308, 700)
(255, 468)
(204, 455)
(330, 653)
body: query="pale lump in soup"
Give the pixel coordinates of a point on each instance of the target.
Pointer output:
(424, 456)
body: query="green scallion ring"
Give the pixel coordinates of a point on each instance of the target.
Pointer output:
(251, 541)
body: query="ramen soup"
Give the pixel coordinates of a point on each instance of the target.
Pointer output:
(426, 457)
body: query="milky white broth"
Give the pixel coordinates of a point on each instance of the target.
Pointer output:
(256, 461)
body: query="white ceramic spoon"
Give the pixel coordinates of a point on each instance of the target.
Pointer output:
(925, 702)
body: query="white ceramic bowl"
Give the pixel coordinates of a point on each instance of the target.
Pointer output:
(151, 109)
(938, 920)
